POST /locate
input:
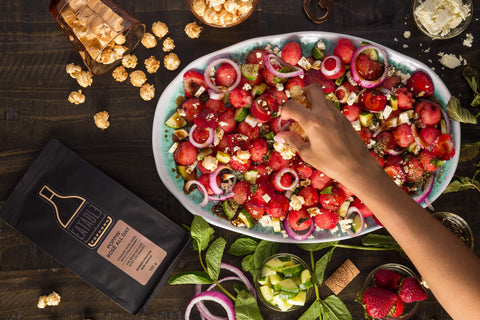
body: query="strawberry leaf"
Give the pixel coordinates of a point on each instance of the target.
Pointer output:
(458, 113)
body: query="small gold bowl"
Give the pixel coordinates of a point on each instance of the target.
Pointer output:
(424, 12)
(227, 16)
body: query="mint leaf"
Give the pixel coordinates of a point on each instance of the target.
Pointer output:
(246, 307)
(247, 263)
(190, 277)
(264, 250)
(462, 184)
(379, 241)
(201, 233)
(334, 309)
(457, 113)
(243, 246)
(316, 246)
(313, 312)
(214, 257)
(476, 100)
(321, 265)
(471, 75)
(469, 151)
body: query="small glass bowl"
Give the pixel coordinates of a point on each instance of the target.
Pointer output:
(454, 31)
(259, 272)
(410, 308)
(209, 16)
(458, 226)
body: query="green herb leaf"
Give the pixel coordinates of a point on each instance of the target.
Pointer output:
(201, 233)
(327, 190)
(316, 246)
(190, 277)
(379, 241)
(457, 113)
(247, 263)
(471, 75)
(321, 265)
(313, 312)
(462, 184)
(469, 151)
(243, 246)
(214, 256)
(246, 307)
(334, 309)
(264, 250)
(476, 100)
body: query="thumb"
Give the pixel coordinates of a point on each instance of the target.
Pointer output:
(293, 139)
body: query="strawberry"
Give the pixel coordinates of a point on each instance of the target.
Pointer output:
(397, 309)
(276, 161)
(413, 169)
(326, 219)
(388, 279)
(411, 290)
(333, 200)
(397, 174)
(428, 161)
(226, 120)
(372, 101)
(310, 194)
(368, 69)
(442, 147)
(247, 130)
(429, 134)
(352, 112)
(294, 82)
(185, 154)
(299, 220)
(241, 192)
(428, 113)
(320, 180)
(316, 76)
(258, 149)
(257, 56)
(378, 302)
(364, 210)
(292, 53)
(420, 84)
(225, 75)
(344, 50)
(192, 81)
(215, 105)
(277, 207)
(403, 135)
(404, 98)
(192, 108)
(206, 119)
(240, 98)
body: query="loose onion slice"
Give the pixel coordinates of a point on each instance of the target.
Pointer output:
(350, 214)
(358, 79)
(209, 141)
(334, 71)
(214, 296)
(213, 179)
(299, 236)
(393, 152)
(447, 121)
(269, 58)
(202, 188)
(241, 275)
(279, 175)
(215, 95)
(417, 138)
(221, 197)
(346, 93)
(204, 312)
(210, 67)
(427, 188)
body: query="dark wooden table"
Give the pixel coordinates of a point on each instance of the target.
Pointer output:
(34, 108)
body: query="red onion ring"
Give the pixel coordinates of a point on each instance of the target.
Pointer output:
(221, 197)
(447, 120)
(202, 188)
(297, 235)
(279, 175)
(334, 71)
(242, 277)
(215, 296)
(215, 95)
(209, 141)
(347, 93)
(375, 134)
(428, 204)
(393, 152)
(351, 211)
(358, 79)
(212, 65)
(417, 138)
(298, 71)
(427, 188)
(204, 312)
(213, 179)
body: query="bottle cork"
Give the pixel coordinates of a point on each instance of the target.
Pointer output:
(342, 276)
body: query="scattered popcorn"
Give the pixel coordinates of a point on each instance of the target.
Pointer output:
(53, 299)
(42, 302)
(168, 45)
(76, 97)
(73, 70)
(129, 61)
(152, 64)
(147, 92)
(405, 46)
(119, 50)
(221, 12)
(210, 163)
(101, 120)
(120, 74)
(171, 61)
(159, 29)
(296, 202)
(138, 78)
(407, 34)
(449, 60)
(108, 56)
(467, 42)
(84, 78)
(193, 30)
(285, 150)
(149, 40)
(120, 39)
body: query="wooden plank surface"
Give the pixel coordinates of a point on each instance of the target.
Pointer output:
(34, 109)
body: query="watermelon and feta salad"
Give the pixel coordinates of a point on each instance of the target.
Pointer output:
(226, 121)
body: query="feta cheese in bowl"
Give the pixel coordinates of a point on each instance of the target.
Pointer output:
(442, 19)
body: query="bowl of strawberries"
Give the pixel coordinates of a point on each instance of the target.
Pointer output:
(392, 291)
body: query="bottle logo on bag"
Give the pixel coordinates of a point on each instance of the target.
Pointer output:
(78, 216)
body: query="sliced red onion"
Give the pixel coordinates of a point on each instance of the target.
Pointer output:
(268, 63)
(279, 175)
(214, 296)
(428, 204)
(212, 65)
(299, 236)
(215, 95)
(384, 91)
(221, 197)
(427, 188)
(417, 138)
(380, 129)
(447, 120)
(347, 93)
(242, 277)
(209, 141)
(393, 152)
(334, 71)
(213, 179)
(288, 193)
(353, 68)
(350, 214)
(202, 188)
(204, 312)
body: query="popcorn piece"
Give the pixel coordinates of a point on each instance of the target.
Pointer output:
(120, 74)
(101, 120)
(168, 45)
(42, 302)
(407, 34)
(108, 56)
(53, 299)
(222, 12)
(171, 61)
(149, 40)
(73, 70)
(296, 202)
(129, 61)
(138, 78)
(342, 277)
(120, 39)
(159, 29)
(152, 64)
(193, 30)
(467, 42)
(147, 92)
(84, 78)
(76, 97)
(210, 163)
(119, 50)
(285, 150)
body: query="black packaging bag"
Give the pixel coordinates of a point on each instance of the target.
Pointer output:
(95, 227)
